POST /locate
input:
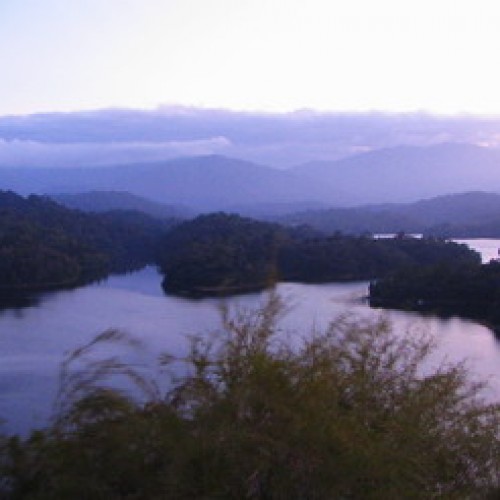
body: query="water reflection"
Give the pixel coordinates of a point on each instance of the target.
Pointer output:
(33, 339)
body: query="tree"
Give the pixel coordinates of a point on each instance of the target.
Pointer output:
(345, 413)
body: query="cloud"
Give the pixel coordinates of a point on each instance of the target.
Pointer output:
(277, 139)
(30, 153)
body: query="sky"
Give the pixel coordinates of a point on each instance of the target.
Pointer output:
(439, 56)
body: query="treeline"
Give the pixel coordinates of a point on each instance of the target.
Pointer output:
(44, 245)
(348, 258)
(489, 229)
(224, 253)
(348, 412)
(468, 215)
(377, 219)
(220, 252)
(468, 291)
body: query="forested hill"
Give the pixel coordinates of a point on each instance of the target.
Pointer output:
(44, 245)
(203, 183)
(104, 201)
(220, 253)
(461, 214)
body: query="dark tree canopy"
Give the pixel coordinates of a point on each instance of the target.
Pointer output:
(468, 291)
(221, 252)
(44, 245)
(218, 252)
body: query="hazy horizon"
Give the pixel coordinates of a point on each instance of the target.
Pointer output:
(119, 136)
(91, 83)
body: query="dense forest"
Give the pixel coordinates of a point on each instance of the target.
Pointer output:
(485, 229)
(220, 252)
(468, 291)
(347, 258)
(347, 412)
(225, 253)
(106, 201)
(465, 214)
(44, 245)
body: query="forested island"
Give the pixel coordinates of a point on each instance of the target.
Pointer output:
(221, 253)
(471, 291)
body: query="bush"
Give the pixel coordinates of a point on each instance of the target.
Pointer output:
(345, 413)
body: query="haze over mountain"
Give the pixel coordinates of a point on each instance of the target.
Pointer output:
(471, 209)
(214, 182)
(104, 201)
(407, 173)
(214, 159)
(203, 183)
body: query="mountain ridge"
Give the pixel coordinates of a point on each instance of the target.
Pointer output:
(408, 173)
(470, 208)
(203, 182)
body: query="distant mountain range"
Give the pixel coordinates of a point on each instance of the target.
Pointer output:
(203, 183)
(409, 173)
(207, 183)
(472, 209)
(464, 214)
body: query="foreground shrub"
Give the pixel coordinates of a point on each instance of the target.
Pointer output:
(344, 413)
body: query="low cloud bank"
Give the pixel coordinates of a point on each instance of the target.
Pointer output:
(126, 136)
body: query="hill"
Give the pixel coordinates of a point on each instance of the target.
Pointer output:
(208, 183)
(467, 210)
(104, 201)
(45, 245)
(205, 183)
(408, 173)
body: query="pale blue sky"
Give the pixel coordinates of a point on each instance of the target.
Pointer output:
(270, 55)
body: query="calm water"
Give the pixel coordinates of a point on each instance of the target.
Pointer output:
(33, 339)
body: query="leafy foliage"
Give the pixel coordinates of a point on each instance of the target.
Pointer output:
(346, 413)
(227, 253)
(469, 291)
(44, 245)
(220, 252)
(343, 257)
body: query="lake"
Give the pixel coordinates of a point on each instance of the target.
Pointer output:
(34, 339)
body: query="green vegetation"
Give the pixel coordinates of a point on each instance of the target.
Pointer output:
(486, 229)
(345, 413)
(220, 253)
(469, 213)
(468, 291)
(345, 258)
(44, 245)
(226, 253)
